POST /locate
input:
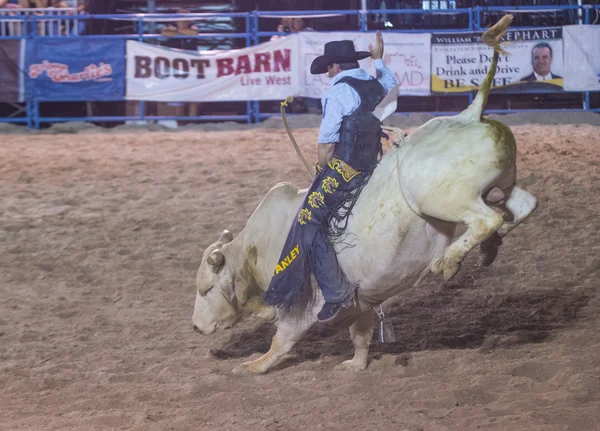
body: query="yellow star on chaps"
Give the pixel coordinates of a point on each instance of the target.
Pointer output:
(330, 184)
(304, 216)
(316, 199)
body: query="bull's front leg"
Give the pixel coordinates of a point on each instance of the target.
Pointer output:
(290, 330)
(361, 333)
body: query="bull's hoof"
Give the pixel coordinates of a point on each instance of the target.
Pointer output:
(489, 249)
(353, 365)
(449, 267)
(437, 266)
(253, 367)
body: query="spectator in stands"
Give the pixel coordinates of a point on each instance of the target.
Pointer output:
(181, 28)
(283, 27)
(79, 27)
(45, 27)
(541, 59)
(290, 25)
(41, 4)
(374, 5)
(58, 4)
(299, 25)
(15, 28)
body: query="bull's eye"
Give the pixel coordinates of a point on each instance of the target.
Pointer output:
(206, 291)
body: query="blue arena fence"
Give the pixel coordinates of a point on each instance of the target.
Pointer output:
(251, 36)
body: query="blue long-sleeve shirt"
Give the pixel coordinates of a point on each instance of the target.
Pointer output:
(341, 100)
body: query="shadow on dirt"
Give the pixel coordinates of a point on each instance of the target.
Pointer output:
(457, 316)
(446, 319)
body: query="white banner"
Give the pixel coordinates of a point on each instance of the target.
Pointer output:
(460, 61)
(407, 55)
(269, 71)
(582, 57)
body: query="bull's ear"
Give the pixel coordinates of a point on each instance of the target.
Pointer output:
(226, 237)
(215, 258)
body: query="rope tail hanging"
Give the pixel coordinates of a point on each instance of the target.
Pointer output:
(287, 100)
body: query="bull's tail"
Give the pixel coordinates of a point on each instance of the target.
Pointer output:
(491, 38)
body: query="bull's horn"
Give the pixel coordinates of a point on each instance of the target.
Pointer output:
(215, 258)
(226, 237)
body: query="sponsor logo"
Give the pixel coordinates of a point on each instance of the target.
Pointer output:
(59, 73)
(287, 261)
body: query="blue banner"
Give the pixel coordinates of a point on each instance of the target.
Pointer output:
(63, 69)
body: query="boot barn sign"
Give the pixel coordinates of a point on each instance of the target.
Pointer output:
(263, 72)
(269, 71)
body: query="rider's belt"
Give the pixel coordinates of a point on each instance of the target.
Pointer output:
(347, 171)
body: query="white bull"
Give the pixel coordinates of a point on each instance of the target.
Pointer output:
(450, 170)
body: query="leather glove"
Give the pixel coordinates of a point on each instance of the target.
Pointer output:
(377, 51)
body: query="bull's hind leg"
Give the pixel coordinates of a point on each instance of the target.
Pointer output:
(520, 204)
(482, 221)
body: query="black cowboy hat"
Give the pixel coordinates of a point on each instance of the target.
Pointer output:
(342, 51)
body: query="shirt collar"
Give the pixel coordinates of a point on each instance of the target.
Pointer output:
(542, 78)
(355, 73)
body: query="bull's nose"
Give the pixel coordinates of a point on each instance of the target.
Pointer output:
(197, 329)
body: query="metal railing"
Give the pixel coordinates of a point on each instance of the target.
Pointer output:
(32, 25)
(48, 21)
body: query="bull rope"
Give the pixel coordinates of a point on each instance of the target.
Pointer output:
(287, 100)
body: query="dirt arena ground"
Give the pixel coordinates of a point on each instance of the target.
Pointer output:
(100, 238)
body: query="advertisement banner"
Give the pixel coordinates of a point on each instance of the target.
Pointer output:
(407, 55)
(460, 61)
(75, 69)
(264, 72)
(10, 67)
(582, 57)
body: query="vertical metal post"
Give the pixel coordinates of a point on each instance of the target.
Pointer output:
(470, 19)
(249, 30)
(36, 113)
(30, 113)
(587, 15)
(255, 27)
(151, 6)
(586, 101)
(140, 28)
(255, 104)
(33, 29)
(363, 19)
(140, 22)
(248, 26)
(152, 9)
